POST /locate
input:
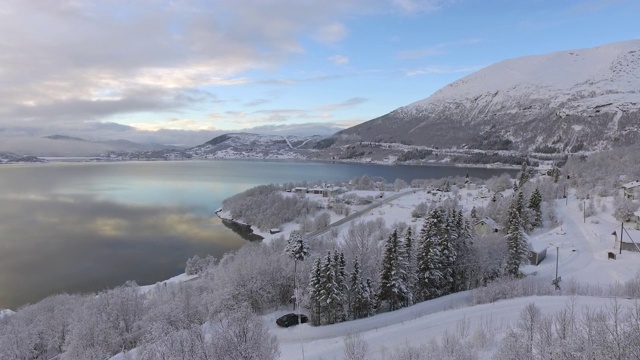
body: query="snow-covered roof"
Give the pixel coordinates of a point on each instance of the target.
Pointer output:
(537, 246)
(631, 185)
(490, 222)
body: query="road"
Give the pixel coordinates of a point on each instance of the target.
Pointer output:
(357, 214)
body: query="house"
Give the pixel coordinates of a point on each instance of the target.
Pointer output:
(487, 226)
(630, 189)
(300, 190)
(628, 243)
(537, 251)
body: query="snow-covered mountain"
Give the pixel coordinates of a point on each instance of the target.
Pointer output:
(9, 157)
(246, 145)
(559, 102)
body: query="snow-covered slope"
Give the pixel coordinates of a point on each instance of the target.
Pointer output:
(568, 100)
(246, 145)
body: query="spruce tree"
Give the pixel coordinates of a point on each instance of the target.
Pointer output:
(524, 175)
(535, 202)
(298, 250)
(428, 256)
(393, 290)
(408, 264)
(355, 292)
(341, 284)
(315, 290)
(517, 247)
(462, 246)
(448, 252)
(329, 294)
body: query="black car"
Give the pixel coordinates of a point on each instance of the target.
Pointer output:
(291, 319)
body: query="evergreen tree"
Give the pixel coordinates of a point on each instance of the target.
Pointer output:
(535, 202)
(462, 246)
(448, 252)
(359, 294)
(339, 266)
(298, 250)
(524, 175)
(315, 290)
(408, 263)
(474, 214)
(428, 256)
(519, 204)
(329, 294)
(393, 290)
(446, 187)
(517, 247)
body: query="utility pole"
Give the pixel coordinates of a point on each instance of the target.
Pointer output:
(556, 281)
(621, 235)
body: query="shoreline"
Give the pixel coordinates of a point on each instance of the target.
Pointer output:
(103, 159)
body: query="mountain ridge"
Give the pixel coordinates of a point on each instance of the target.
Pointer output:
(586, 99)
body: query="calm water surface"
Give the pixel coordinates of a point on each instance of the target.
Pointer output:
(79, 227)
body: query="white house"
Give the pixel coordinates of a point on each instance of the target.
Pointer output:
(630, 189)
(487, 226)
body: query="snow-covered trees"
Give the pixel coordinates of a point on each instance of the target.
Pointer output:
(624, 208)
(428, 257)
(355, 347)
(360, 295)
(196, 265)
(107, 324)
(240, 334)
(267, 207)
(394, 292)
(298, 250)
(535, 202)
(499, 183)
(517, 246)
(443, 242)
(38, 331)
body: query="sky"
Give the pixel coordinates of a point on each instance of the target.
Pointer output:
(180, 72)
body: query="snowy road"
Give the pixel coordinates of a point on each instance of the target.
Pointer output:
(357, 214)
(583, 249)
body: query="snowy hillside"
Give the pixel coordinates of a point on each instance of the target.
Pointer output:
(254, 146)
(563, 102)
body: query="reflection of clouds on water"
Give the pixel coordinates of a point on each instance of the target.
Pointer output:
(52, 243)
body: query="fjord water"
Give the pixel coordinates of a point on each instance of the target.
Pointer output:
(80, 227)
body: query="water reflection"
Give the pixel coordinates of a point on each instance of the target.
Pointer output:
(50, 244)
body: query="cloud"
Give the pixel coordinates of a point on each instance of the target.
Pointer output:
(345, 104)
(68, 61)
(419, 6)
(331, 33)
(256, 102)
(338, 59)
(442, 69)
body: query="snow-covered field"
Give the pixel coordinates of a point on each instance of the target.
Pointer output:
(419, 324)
